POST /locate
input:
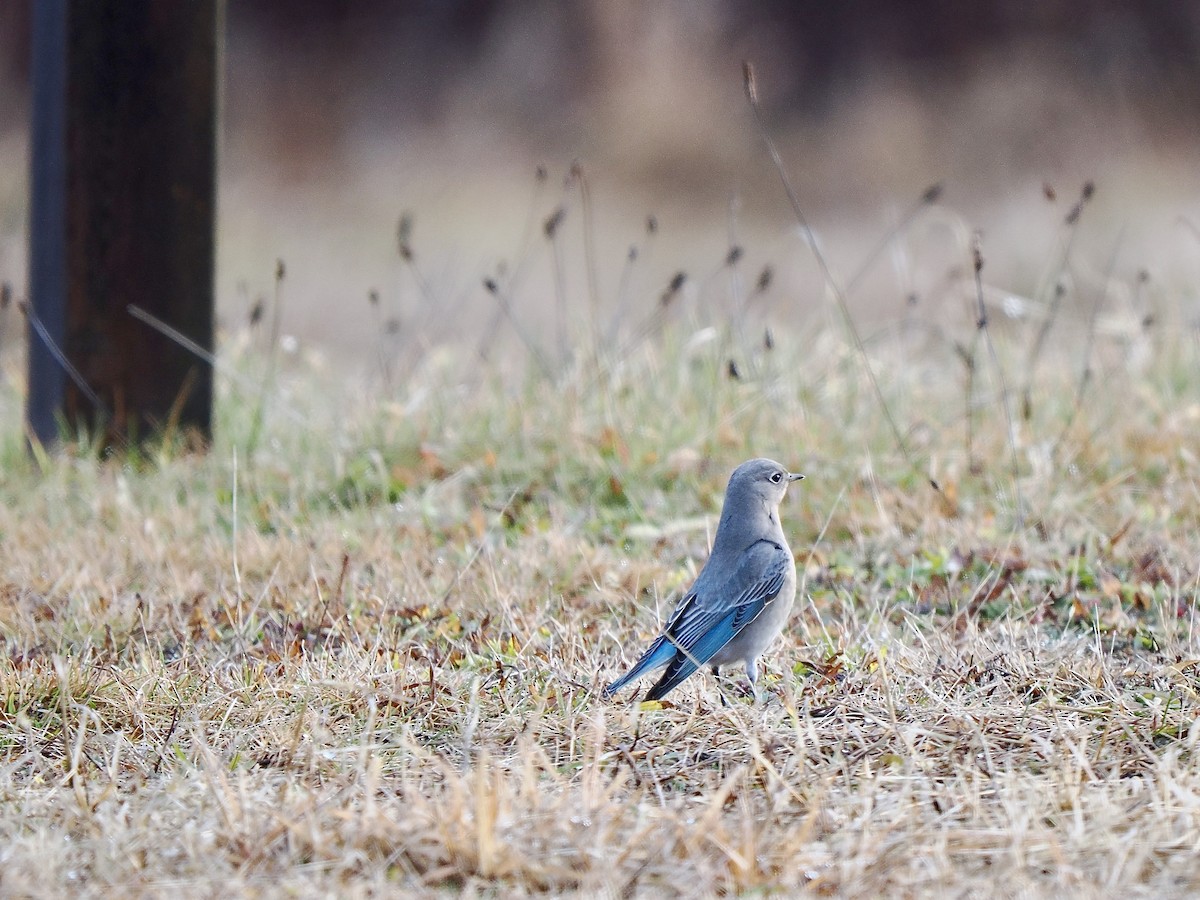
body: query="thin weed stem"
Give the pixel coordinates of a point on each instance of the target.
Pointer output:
(830, 281)
(268, 382)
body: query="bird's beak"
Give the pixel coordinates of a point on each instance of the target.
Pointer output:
(795, 476)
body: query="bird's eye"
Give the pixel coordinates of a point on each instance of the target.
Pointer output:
(777, 477)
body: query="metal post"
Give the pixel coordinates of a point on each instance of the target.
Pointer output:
(48, 215)
(123, 172)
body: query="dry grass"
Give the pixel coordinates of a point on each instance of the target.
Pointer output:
(364, 655)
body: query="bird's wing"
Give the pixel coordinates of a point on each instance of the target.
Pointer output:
(717, 609)
(722, 603)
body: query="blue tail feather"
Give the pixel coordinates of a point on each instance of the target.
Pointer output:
(657, 654)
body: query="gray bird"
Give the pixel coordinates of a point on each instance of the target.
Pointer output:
(743, 595)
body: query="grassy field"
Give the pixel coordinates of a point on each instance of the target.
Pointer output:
(359, 648)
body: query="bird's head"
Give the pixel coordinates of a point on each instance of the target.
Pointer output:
(763, 479)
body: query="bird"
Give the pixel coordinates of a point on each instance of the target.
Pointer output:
(742, 597)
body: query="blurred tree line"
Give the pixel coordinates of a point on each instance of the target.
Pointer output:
(419, 47)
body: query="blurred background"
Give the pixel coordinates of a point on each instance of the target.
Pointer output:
(466, 117)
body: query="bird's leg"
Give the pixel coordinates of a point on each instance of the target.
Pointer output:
(752, 674)
(716, 670)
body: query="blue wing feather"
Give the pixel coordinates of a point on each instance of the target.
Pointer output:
(710, 616)
(686, 663)
(746, 590)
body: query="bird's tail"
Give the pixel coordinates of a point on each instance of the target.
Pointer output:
(657, 654)
(678, 669)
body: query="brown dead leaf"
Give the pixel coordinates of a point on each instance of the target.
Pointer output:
(478, 522)
(432, 463)
(948, 499)
(1008, 561)
(1116, 537)
(611, 444)
(1110, 586)
(1152, 566)
(1142, 599)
